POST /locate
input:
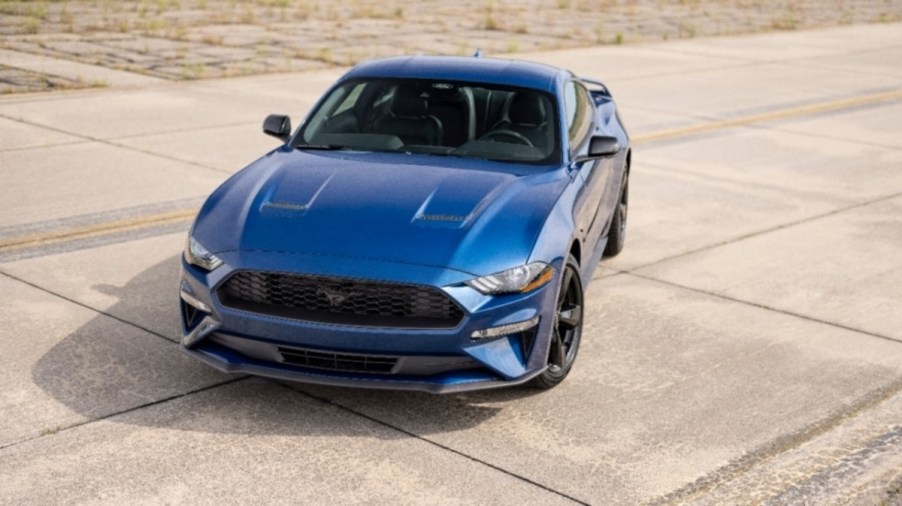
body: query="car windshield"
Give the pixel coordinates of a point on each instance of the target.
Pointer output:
(473, 120)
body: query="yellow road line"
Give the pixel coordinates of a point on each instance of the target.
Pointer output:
(112, 227)
(833, 105)
(99, 229)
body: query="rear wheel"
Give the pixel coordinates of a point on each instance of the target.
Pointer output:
(617, 235)
(568, 328)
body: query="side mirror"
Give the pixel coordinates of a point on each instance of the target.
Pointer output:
(278, 126)
(602, 146)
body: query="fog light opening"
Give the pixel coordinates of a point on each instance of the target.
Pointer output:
(527, 339)
(505, 330)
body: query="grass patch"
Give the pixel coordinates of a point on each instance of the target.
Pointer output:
(787, 22)
(893, 494)
(192, 71)
(31, 25)
(325, 55)
(213, 40)
(490, 24)
(49, 431)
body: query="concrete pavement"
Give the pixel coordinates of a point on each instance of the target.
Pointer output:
(746, 346)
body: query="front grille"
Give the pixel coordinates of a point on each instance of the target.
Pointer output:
(337, 361)
(340, 300)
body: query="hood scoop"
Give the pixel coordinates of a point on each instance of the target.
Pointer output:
(274, 207)
(452, 218)
(292, 193)
(456, 200)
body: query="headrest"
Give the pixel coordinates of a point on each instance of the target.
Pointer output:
(408, 103)
(526, 108)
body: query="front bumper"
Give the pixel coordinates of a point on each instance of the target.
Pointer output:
(230, 361)
(429, 360)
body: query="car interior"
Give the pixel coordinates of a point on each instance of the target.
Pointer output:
(443, 118)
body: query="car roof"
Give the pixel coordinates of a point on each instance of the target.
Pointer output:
(459, 68)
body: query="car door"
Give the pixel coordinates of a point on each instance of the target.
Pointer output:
(579, 110)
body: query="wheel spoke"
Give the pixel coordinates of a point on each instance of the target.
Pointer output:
(556, 353)
(565, 287)
(569, 318)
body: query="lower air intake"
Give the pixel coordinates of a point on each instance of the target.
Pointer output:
(338, 361)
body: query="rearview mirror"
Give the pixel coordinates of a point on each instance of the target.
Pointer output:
(602, 146)
(278, 126)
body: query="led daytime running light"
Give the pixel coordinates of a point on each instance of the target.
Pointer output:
(504, 330)
(192, 300)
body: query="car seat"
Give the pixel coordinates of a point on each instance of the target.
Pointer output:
(408, 119)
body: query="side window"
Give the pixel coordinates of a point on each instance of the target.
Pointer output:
(579, 111)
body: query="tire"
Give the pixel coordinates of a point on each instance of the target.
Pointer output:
(617, 235)
(568, 329)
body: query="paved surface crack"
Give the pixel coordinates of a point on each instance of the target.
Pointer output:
(127, 410)
(784, 443)
(762, 306)
(418, 437)
(764, 231)
(850, 465)
(126, 322)
(114, 144)
(86, 306)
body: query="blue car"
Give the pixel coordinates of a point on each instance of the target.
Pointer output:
(431, 226)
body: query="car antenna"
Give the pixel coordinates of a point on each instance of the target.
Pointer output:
(478, 53)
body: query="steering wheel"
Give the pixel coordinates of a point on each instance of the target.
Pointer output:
(510, 134)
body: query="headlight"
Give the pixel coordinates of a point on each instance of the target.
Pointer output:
(196, 254)
(522, 279)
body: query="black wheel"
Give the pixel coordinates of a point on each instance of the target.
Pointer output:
(617, 235)
(568, 328)
(504, 133)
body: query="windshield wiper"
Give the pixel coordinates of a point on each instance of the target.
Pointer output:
(323, 147)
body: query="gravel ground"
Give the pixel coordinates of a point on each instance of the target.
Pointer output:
(196, 39)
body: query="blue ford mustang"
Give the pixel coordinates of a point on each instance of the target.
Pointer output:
(430, 226)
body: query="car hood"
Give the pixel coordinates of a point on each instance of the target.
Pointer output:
(474, 216)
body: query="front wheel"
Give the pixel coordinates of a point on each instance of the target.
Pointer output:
(567, 330)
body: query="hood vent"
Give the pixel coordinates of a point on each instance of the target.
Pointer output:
(442, 217)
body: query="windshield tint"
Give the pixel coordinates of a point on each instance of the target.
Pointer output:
(450, 118)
